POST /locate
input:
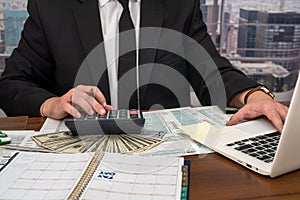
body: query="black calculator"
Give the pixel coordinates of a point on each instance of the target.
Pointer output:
(114, 122)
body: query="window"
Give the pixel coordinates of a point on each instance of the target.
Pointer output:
(265, 32)
(12, 17)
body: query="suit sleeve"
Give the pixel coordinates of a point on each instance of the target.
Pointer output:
(234, 80)
(29, 73)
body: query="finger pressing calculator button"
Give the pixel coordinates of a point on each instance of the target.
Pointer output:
(101, 117)
(91, 117)
(109, 123)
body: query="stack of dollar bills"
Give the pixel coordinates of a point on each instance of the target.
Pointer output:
(64, 142)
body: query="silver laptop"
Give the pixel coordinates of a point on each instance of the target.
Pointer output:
(269, 153)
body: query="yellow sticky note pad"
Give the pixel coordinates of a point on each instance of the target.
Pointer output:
(202, 131)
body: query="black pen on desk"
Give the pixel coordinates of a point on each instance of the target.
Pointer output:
(9, 160)
(32, 149)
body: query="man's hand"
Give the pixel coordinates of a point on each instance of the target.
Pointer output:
(260, 104)
(88, 98)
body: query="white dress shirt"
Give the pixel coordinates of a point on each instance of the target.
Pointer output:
(110, 14)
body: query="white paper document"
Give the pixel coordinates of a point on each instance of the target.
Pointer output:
(52, 125)
(19, 139)
(168, 123)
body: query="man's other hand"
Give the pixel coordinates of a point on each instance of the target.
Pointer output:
(260, 104)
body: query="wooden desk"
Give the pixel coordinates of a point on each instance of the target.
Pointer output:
(215, 177)
(22, 123)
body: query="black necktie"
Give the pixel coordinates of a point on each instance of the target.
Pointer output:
(127, 61)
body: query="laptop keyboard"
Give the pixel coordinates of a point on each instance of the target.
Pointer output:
(262, 147)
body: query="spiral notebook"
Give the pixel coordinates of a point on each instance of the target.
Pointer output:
(90, 176)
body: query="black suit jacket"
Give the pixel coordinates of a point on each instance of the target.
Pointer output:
(59, 35)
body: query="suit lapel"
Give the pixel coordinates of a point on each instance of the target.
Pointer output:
(151, 16)
(87, 18)
(88, 23)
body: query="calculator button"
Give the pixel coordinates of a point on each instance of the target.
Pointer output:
(123, 114)
(102, 117)
(113, 114)
(91, 117)
(133, 116)
(134, 113)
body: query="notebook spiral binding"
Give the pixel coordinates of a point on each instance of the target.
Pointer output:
(86, 176)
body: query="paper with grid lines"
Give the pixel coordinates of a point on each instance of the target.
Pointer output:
(42, 176)
(54, 176)
(133, 177)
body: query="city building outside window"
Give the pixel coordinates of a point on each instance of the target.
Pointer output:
(261, 38)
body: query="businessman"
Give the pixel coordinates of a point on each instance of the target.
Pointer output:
(40, 76)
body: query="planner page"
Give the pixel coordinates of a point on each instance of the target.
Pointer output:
(133, 177)
(42, 176)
